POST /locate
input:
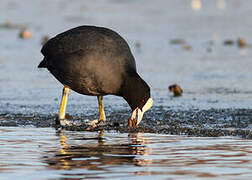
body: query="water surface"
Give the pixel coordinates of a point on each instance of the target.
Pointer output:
(43, 153)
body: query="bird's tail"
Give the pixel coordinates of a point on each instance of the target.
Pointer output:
(43, 63)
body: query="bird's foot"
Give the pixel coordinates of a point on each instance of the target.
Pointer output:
(132, 123)
(61, 123)
(95, 123)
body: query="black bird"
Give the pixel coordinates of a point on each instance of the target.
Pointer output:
(96, 61)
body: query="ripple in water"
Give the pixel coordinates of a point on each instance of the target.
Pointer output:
(43, 153)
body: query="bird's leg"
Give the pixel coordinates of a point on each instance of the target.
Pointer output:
(62, 112)
(102, 117)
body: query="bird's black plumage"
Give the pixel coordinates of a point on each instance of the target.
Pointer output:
(95, 61)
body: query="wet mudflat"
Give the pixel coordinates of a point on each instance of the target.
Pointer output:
(197, 44)
(211, 122)
(43, 153)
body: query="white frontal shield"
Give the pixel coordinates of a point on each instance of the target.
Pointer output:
(145, 108)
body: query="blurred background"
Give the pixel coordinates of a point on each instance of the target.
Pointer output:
(202, 45)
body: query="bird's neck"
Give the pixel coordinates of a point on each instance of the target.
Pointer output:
(134, 90)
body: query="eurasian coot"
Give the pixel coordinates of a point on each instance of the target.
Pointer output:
(96, 61)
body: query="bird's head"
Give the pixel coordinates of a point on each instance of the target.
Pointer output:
(137, 93)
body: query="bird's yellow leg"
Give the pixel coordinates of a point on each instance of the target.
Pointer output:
(62, 112)
(101, 109)
(102, 119)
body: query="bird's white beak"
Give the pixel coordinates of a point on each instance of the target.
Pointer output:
(139, 113)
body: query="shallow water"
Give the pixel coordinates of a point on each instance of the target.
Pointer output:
(43, 153)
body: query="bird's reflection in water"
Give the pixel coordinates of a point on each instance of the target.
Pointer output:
(95, 153)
